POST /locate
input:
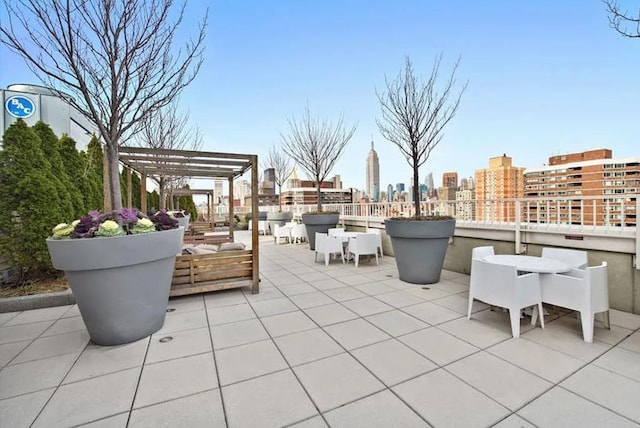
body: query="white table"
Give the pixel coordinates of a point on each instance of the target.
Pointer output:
(529, 263)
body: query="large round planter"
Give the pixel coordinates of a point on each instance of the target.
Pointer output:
(184, 222)
(419, 247)
(262, 216)
(279, 219)
(320, 223)
(121, 284)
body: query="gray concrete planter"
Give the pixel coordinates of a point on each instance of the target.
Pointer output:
(419, 248)
(184, 222)
(279, 219)
(121, 284)
(320, 223)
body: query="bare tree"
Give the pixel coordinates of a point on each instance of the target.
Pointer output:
(115, 57)
(414, 114)
(169, 129)
(622, 21)
(316, 145)
(282, 168)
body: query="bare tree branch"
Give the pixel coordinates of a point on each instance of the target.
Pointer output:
(316, 145)
(115, 57)
(623, 22)
(167, 128)
(282, 167)
(415, 113)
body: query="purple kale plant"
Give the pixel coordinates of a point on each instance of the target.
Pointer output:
(163, 221)
(86, 227)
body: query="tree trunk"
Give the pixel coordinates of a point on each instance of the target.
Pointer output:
(162, 185)
(114, 177)
(416, 190)
(319, 204)
(280, 197)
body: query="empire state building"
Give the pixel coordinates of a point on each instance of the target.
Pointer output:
(373, 175)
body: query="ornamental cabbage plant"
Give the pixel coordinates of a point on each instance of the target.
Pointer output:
(116, 223)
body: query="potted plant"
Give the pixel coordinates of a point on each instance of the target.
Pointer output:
(182, 217)
(119, 266)
(316, 145)
(282, 168)
(414, 114)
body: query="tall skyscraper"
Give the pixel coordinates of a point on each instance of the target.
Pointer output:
(390, 193)
(500, 181)
(373, 175)
(428, 180)
(399, 188)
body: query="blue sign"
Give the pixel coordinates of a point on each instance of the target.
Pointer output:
(20, 106)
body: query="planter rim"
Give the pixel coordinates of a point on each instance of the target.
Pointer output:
(88, 254)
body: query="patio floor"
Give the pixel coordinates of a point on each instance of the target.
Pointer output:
(322, 346)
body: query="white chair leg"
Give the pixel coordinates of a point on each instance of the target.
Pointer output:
(534, 316)
(326, 259)
(469, 308)
(315, 256)
(357, 259)
(377, 264)
(514, 315)
(541, 311)
(587, 326)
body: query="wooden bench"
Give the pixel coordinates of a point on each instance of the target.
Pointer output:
(199, 273)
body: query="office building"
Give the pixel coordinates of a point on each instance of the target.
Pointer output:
(303, 192)
(465, 207)
(495, 186)
(390, 193)
(607, 184)
(33, 103)
(373, 175)
(450, 179)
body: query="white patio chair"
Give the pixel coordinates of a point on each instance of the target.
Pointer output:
(585, 291)
(379, 238)
(363, 244)
(328, 245)
(299, 233)
(479, 253)
(263, 226)
(332, 231)
(500, 285)
(574, 258)
(281, 233)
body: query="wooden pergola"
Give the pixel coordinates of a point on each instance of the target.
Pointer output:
(157, 163)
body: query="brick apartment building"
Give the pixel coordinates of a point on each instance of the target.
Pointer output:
(500, 181)
(592, 173)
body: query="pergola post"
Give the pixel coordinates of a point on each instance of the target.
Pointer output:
(254, 220)
(129, 189)
(231, 219)
(143, 193)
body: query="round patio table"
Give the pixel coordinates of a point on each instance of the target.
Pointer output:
(529, 263)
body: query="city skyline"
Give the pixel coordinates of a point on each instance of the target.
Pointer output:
(539, 84)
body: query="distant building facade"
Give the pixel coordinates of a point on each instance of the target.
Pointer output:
(591, 173)
(500, 181)
(303, 192)
(450, 179)
(33, 103)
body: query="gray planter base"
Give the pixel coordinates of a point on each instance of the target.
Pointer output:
(419, 248)
(320, 223)
(121, 284)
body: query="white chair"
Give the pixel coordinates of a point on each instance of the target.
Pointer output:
(363, 244)
(281, 233)
(500, 285)
(328, 245)
(584, 291)
(332, 231)
(574, 258)
(263, 226)
(479, 253)
(299, 233)
(379, 238)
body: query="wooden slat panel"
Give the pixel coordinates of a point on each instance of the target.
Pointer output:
(210, 267)
(211, 276)
(225, 284)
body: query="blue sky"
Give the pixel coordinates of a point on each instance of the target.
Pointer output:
(545, 77)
